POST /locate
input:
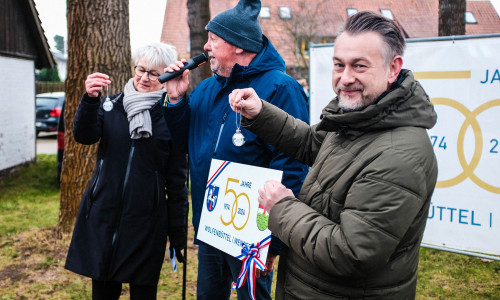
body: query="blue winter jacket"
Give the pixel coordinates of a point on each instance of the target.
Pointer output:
(211, 123)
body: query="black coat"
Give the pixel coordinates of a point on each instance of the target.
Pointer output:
(138, 190)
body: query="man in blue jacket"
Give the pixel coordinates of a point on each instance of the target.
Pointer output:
(240, 56)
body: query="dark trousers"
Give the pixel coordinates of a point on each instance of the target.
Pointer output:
(111, 290)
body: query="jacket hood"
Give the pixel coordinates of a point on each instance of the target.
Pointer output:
(407, 104)
(267, 59)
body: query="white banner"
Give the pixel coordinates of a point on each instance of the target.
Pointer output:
(231, 215)
(462, 78)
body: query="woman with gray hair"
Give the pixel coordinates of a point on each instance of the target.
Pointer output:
(137, 195)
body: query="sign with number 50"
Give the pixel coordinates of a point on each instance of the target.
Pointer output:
(231, 215)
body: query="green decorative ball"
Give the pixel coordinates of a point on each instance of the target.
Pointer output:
(262, 221)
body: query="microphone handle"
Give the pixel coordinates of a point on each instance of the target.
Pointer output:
(190, 64)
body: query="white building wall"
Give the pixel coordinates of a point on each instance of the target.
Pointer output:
(61, 59)
(61, 68)
(17, 112)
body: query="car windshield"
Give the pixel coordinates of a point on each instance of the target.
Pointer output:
(46, 102)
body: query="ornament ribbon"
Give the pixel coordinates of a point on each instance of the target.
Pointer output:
(251, 260)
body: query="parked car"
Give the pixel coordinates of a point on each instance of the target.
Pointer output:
(60, 143)
(48, 111)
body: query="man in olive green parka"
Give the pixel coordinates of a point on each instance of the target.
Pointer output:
(355, 229)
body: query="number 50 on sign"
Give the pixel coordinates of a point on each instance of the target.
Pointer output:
(231, 214)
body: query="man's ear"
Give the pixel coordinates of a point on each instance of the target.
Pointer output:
(394, 68)
(239, 50)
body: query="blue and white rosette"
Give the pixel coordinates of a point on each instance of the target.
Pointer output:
(251, 260)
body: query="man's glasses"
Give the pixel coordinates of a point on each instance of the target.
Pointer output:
(152, 75)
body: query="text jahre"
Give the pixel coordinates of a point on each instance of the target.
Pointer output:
(495, 76)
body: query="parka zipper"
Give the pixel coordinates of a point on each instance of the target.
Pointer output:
(220, 133)
(120, 210)
(93, 188)
(125, 181)
(157, 192)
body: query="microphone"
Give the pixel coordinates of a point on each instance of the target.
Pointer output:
(193, 63)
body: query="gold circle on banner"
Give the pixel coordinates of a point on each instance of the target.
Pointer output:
(470, 120)
(234, 214)
(473, 177)
(234, 211)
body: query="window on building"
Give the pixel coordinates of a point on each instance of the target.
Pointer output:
(265, 13)
(351, 11)
(387, 13)
(469, 18)
(285, 12)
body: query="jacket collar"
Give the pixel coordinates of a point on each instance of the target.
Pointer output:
(267, 59)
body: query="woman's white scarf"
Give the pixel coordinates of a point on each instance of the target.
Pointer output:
(137, 106)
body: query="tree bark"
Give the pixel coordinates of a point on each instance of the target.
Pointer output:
(198, 18)
(98, 41)
(451, 17)
(306, 26)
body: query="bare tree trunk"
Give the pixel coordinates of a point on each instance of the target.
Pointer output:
(98, 41)
(451, 17)
(304, 27)
(198, 17)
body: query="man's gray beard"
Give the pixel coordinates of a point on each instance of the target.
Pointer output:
(348, 106)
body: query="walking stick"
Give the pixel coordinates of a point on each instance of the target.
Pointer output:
(184, 267)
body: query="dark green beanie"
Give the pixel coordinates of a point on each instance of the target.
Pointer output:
(239, 25)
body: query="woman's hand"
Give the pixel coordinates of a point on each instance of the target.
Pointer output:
(177, 87)
(95, 82)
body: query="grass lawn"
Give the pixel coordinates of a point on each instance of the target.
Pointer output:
(32, 257)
